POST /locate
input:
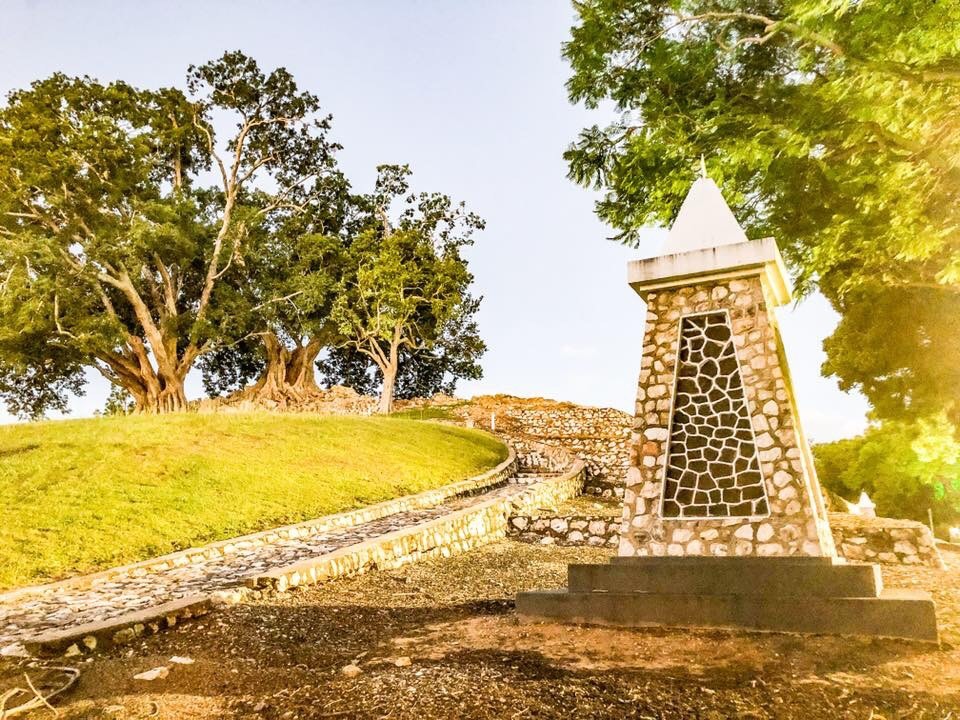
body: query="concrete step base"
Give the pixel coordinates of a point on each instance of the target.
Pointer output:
(807, 595)
(728, 576)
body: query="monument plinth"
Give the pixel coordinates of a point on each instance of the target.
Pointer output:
(723, 516)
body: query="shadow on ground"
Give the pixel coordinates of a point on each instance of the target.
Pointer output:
(470, 658)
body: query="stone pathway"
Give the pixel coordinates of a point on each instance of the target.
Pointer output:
(64, 607)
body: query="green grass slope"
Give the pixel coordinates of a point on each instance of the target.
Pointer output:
(82, 495)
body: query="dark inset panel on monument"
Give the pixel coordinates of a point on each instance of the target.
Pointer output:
(712, 467)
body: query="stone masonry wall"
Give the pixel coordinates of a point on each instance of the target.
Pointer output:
(796, 523)
(594, 531)
(336, 400)
(223, 548)
(882, 540)
(600, 436)
(448, 535)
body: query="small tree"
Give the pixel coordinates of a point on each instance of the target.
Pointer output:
(455, 356)
(407, 279)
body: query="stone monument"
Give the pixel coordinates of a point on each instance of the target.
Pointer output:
(724, 522)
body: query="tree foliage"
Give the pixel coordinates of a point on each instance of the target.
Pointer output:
(830, 125)
(114, 253)
(905, 468)
(145, 232)
(407, 283)
(293, 283)
(901, 348)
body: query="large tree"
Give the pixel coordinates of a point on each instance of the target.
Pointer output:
(114, 253)
(829, 124)
(292, 286)
(407, 283)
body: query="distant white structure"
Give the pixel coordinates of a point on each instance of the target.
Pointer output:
(865, 506)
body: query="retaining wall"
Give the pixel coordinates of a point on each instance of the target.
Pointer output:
(600, 436)
(881, 540)
(451, 534)
(429, 498)
(884, 540)
(594, 531)
(445, 536)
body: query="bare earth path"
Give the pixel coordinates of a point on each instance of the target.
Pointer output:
(439, 639)
(65, 607)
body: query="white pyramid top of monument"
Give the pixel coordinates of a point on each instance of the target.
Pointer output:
(704, 221)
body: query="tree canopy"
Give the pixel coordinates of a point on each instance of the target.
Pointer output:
(144, 232)
(830, 125)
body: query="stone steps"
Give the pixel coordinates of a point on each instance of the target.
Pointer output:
(807, 595)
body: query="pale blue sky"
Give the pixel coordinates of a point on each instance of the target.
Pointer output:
(471, 95)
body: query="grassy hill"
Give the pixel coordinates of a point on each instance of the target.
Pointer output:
(82, 495)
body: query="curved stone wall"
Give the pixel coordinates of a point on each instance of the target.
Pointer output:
(599, 436)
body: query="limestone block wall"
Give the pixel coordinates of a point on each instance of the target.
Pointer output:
(595, 531)
(795, 523)
(600, 436)
(884, 540)
(858, 539)
(336, 400)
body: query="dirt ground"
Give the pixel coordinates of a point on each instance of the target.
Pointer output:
(440, 640)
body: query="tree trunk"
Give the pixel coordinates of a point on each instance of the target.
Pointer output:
(288, 378)
(154, 395)
(153, 391)
(269, 386)
(171, 397)
(389, 385)
(301, 377)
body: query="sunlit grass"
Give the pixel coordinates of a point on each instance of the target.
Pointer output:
(81, 495)
(425, 413)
